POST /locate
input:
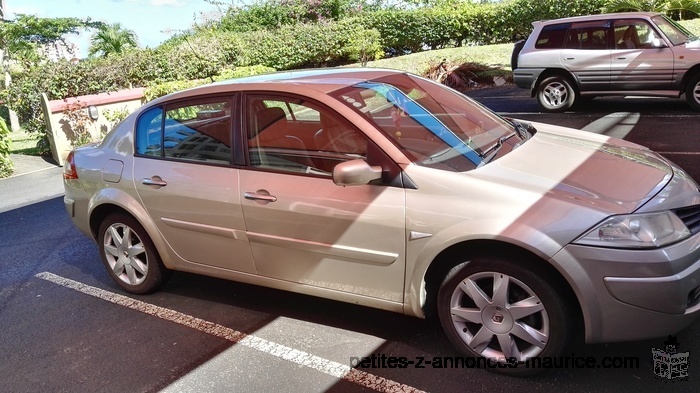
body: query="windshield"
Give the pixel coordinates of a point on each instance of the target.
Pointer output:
(675, 33)
(433, 125)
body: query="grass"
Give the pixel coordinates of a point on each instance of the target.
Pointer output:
(493, 55)
(497, 56)
(24, 143)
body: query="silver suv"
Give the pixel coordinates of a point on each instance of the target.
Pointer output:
(639, 53)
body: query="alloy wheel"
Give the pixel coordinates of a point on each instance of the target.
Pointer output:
(499, 317)
(125, 254)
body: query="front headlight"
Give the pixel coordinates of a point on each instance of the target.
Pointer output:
(637, 231)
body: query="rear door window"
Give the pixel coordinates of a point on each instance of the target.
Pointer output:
(197, 130)
(588, 35)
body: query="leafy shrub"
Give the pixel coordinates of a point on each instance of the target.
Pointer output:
(304, 45)
(5, 113)
(406, 31)
(154, 91)
(273, 14)
(116, 116)
(240, 72)
(76, 116)
(6, 166)
(158, 90)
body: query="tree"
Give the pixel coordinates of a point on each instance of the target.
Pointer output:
(20, 38)
(678, 7)
(112, 38)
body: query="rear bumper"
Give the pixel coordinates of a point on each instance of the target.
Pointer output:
(75, 203)
(630, 295)
(526, 78)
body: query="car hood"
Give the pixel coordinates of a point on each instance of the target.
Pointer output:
(606, 174)
(694, 44)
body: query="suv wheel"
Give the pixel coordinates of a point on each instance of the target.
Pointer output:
(555, 94)
(692, 92)
(496, 309)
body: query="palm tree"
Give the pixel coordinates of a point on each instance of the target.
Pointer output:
(666, 6)
(112, 38)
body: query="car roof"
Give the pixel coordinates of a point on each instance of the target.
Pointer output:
(587, 18)
(323, 76)
(322, 80)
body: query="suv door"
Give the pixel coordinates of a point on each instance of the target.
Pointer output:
(301, 226)
(586, 54)
(636, 64)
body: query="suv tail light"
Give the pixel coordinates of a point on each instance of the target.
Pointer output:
(69, 171)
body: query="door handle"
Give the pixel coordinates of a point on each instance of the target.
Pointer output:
(569, 58)
(621, 58)
(154, 181)
(253, 196)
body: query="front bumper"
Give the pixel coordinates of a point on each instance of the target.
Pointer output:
(634, 294)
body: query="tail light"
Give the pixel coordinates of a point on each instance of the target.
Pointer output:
(69, 171)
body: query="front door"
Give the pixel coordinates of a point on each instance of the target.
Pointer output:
(301, 226)
(636, 64)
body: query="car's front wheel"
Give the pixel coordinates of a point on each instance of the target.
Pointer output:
(505, 313)
(692, 92)
(555, 94)
(129, 254)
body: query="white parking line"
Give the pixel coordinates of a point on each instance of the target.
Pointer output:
(302, 358)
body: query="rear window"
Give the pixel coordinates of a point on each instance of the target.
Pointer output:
(552, 36)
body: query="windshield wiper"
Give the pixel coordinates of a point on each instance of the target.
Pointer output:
(488, 154)
(525, 131)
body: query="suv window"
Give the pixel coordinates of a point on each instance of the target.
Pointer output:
(552, 36)
(588, 36)
(676, 33)
(633, 34)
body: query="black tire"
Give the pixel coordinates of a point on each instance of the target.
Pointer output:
(692, 92)
(555, 94)
(135, 264)
(480, 328)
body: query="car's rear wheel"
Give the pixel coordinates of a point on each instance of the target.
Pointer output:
(504, 312)
(555, 94)
(692, 92)
(129, 254)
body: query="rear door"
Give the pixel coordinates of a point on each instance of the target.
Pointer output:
(586, 54)
(184, 177)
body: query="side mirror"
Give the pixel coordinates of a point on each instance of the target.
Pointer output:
(657, 43)
(355, 173)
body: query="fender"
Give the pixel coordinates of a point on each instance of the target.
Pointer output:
(426, 251)
(125, 201)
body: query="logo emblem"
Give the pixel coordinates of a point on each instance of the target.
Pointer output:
(669, 364)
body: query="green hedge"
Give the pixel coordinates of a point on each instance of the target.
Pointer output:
(6, 166)
(307, 45)
(408, 31)
(161, 89)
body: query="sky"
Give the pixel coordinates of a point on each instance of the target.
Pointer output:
(153, 21)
